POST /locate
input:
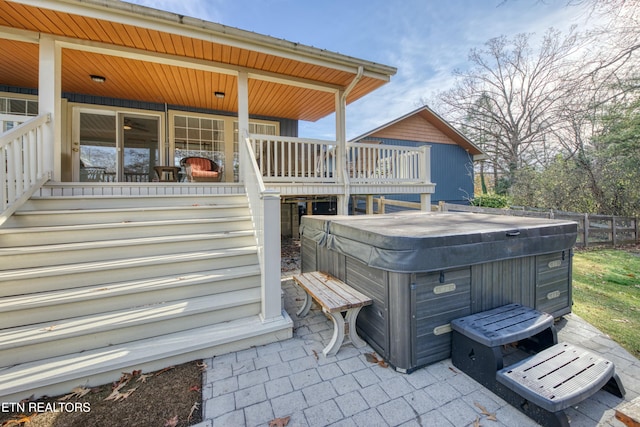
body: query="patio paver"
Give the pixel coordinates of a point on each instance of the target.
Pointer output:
(293, 378)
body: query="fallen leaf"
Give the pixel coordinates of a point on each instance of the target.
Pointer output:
(279, 422)
(383, 364)
(76, 392)
(162, 371)
(143, 378)
(483, 410)
(621, 320)
(476, 423)
(171, 422)
(21, 420)
(194, 408)
(371, 358)
(202, 365)
(490, 416)
(315, 354)
(453, 370)
(194, 388)
(50, 328)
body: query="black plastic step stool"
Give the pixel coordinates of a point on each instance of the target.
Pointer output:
(542, 385)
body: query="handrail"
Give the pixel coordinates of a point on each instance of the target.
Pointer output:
(22, 164)
(265, 212)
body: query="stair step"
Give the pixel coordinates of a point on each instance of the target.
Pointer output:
(558, 377)
(34, 236)
(502, 325)
(92, 216)
(43, 340)
(100, 366)
(43, 279)
(55, 305)
(112, 201)
(50, 255)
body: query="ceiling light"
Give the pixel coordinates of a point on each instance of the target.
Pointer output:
(98, 79)
(219, 94)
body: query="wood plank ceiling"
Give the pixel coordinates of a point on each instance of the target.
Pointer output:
(157, 82)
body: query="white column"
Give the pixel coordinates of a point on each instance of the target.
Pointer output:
(271, 283)
(49, 101)
(425, 198)
(243, 114)
(341, 148)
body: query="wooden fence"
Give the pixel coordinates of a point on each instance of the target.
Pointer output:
(593, 230)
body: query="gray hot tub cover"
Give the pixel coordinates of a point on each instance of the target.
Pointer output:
(418, 242)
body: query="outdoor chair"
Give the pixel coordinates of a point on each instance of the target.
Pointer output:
(201, 169)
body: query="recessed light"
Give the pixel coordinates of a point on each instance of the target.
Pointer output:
(98, 79)
(219, 94)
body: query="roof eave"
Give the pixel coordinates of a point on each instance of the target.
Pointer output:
(147, 17)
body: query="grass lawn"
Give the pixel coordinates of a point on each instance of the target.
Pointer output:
(606, 293)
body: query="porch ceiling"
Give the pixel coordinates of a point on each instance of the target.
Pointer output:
(155, 56)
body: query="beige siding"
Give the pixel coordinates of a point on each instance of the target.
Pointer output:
(414, 128)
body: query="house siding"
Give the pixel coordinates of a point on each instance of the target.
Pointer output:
(414, 128)
(288, 127)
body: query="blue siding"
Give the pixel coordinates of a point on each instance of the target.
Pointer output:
(451, 171)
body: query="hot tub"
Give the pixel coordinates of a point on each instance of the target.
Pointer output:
(423, 270)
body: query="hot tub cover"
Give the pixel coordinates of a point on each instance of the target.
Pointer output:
(427, 241)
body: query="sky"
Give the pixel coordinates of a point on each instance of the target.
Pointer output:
(426, 40)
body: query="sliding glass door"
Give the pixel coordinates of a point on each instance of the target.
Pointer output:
(110, 146)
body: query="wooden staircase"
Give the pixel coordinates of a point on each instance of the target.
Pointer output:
(94, 286)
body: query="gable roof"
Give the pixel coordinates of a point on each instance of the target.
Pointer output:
(156, 56)
(440, 124)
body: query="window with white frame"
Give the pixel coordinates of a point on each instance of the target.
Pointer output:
(16, 107)
(198, 136)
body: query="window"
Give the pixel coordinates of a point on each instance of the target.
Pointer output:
(198, 136)
(16, 107)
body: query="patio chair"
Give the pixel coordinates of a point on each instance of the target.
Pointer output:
(201, 169)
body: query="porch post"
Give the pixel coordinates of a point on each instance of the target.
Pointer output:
(425, 198)
(341, 148)
(271, 283)
(49, 101)
(243, 113)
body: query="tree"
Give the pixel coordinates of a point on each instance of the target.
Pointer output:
(511, 97)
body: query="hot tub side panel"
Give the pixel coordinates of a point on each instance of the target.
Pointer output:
(503, 282)
(437, 299)
(553, 283)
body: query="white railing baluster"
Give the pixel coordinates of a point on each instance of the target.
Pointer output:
(288, 159)
(22, 169)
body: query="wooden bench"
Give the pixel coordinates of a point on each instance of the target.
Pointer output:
(542, 384)
(335, 297)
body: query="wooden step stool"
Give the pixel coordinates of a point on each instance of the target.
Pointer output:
(542, 385)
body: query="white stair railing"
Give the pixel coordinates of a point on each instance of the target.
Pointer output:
(265, 211)
(22, 163)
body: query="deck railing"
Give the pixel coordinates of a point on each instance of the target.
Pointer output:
(288, 159)
(387, 163)
(265, 211)
(22, 164)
